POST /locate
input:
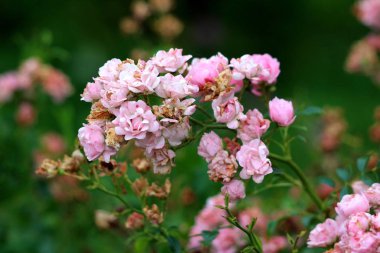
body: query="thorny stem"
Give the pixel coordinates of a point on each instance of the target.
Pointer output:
(305, 184)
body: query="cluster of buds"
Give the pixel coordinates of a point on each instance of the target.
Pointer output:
(157, 14)
(30, 74)
(231, 239)
(356, 227)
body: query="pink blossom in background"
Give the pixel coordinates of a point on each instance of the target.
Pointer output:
(352, 204)
(235, 189)
(170, 61)
(175, 87)
(209, 146)
(53, 143)
(245, 218)
(110, 70)
(26, 114)
(281, 111)
(92, 92)
(252, 157)
(274, 244)
(228, 240)
(253, 126)
(134, 120)
(323, 234)
(91, 138)
(227, 109)
(56, 84)
(368, 12)
(202, 71)
(9, 83)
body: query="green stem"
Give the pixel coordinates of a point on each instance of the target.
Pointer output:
(205, 112)
(305, 184)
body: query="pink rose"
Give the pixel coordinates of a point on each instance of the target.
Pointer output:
(281, 111)
(209, 145)
(56, 84)
(358, 223)
(92, 92)
(134, 120)
(175, 87)
(176, 133)
(253, 127)
(152, 140)
(324, 234)
(359, 187)
(110, 70)
(252, 156)
(269, 68)
(373, 194)
(228, 110)
(352, 204)
(170, 61)
(113, 94)
(26, 114)
(222, 167)
(363, 243)
(369, 12)
(202, 71)
(162, 160)
(245, 67)
(235, 189)
(91, 138)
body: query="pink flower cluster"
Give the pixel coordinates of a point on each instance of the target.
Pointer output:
(31, 73)
(356, 228)
(121, 113)
(230, 240)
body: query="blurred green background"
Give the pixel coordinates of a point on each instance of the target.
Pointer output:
(311, 39)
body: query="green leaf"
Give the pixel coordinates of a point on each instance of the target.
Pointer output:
(174, 244)
(343, 174)
(361, 163)
(141, 245)
(271, 227)
(311, 110)
(248, 249)
(209, 236)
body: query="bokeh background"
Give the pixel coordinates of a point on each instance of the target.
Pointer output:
(311, 39)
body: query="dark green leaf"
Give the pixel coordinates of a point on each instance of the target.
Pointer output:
(209, 236)
(174, 244)
(311, 110)
(361, 163)
(343, 174)
(326, 180)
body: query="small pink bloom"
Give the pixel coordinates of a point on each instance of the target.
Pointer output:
(211, 217)
(281, 111)
(369, 12)
(373, 194)
(134, 120)
(235, 189)
(26, 114)
(358, 223)
(245, 67)
(170, 61)
(352, 204)
(222, 167)
(227, 109)
(252, 156)
(363, 243)
(152, 140)
(202, 71)
(92, 91)
(113, 93)
(209, 145)
(110, 70)
(175, 87)
(359, 187)
(162, 160)
(53, 143)
(176, 133)
(324, 234)
(91, 137)
(269, 68)
(253, 127)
